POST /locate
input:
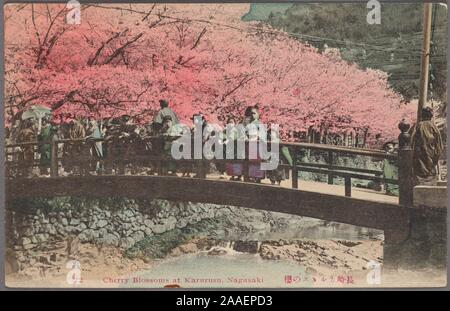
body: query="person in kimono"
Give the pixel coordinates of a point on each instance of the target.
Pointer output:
(252, 123)
(279, 174)
(427, 148)
(45, 137)
(26, 157)
(119, 136)
(232, 135)
(94, 132)
(169, 132)
(200, 124)
(74, 151)
(223, 140)
(165, 111)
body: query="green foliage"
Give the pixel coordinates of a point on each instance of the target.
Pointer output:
(394, 46)
(157, 246)
(261, 11)
(160, 245)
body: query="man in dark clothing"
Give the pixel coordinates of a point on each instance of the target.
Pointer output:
(427, 148)
(119, 137)
(165, 111)
(169, 133)
(44, 138)
(26, 157)
(74, 151)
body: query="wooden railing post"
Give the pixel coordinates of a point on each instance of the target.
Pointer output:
(204, 166)
(294, 169)
(246, 168)
(200, 169)
(159, 141)
(295, 176)
(108, 158)
(54, 158)
(330, 167)
(121, 160)
(348, 186)
(405, 172)
(159, 167)
(246, 164)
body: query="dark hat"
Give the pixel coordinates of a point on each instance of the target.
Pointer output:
(125, 117)
(167, 118)
(427, 113)
(163, 103)
(27, 123)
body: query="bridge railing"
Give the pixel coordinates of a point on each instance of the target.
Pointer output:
(332, 170)
(80, 157)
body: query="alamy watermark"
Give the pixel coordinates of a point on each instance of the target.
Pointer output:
(374, 15)
(73, 277)
(373, 277)
(73, 17)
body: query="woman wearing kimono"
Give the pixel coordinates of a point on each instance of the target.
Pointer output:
(74, 151)
(427, 148)
(26, 157)
(45, 138)
(94, 132)
(279, 174)
(252, 123)
(235, 170)
(169, 132)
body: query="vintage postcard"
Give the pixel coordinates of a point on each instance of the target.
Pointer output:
(225, 145)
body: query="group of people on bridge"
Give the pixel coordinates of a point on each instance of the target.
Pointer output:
(86, 144)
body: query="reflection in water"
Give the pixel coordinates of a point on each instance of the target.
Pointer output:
(322, 230)
(231, 270)
(291, 227)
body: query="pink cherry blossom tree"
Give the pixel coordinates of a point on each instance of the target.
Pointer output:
(122, 59)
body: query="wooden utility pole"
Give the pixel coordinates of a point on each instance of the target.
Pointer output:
(424, 72)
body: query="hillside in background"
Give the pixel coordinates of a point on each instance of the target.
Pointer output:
(394, 46)
(261, 11)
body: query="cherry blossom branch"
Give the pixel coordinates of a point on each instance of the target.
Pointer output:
(198, 38)
(34, 25)
(46, 44)
(122, 48)
(241, 83)
(68, 97)
(149, 12)
(93, 60)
